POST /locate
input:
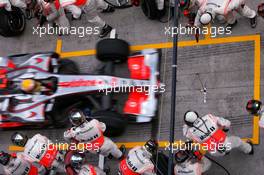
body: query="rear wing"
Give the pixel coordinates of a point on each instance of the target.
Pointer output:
(144, 104)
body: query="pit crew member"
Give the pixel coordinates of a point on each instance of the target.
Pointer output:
(5, 4)
(91, 133)
(210, 132)
(52, 12)
(255, 107)
(39, 150)
(90, 8)
(16, 164)
(208, 11)
(83, 168)
(139, 160)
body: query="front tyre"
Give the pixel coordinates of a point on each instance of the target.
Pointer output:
(115, 50)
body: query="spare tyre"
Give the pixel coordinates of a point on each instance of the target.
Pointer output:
(115, 50)
(12, 23)
(150, 9)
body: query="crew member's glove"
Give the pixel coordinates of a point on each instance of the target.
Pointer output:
(226, 129)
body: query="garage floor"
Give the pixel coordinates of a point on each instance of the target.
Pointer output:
(227, 69)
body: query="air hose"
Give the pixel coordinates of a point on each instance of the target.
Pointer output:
(227, 172)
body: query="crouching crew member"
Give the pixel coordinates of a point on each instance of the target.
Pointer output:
(39, 149)
(139, 160)
(16, 164)
(92, 134)
(210, 132)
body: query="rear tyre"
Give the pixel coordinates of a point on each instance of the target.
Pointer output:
(115, 50)
(115, 122)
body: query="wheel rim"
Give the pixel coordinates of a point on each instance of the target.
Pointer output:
(16, 22)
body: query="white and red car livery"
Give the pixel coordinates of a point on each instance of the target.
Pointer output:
(18, 108)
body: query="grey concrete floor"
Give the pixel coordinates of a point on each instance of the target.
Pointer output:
(227, 69)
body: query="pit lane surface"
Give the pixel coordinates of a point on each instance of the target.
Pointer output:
(227, 69)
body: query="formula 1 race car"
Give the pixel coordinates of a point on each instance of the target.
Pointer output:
(56, 86)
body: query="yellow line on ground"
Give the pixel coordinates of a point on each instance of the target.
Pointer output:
(257, 62)
(128, 145)
(59, 46)
(190, 43)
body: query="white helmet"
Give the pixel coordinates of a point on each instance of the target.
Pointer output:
(190, 117)
(206, 18)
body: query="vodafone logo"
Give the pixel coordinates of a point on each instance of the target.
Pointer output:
(135, 67)
(132, 104)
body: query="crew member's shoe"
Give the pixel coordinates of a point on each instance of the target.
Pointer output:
(232, 25)
(252, 147)
(75, 19)
(109, 9)
(123, 150)
(105, 31)
(253, 22)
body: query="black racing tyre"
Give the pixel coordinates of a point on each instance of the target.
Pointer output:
(115, 50)
(115, 122)
(150, 9)
(68, 67)
(4, 27)
(12, 23)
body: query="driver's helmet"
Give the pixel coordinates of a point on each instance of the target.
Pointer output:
(77, 117)
(77, 160)
(19, 139)
(28, 85)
